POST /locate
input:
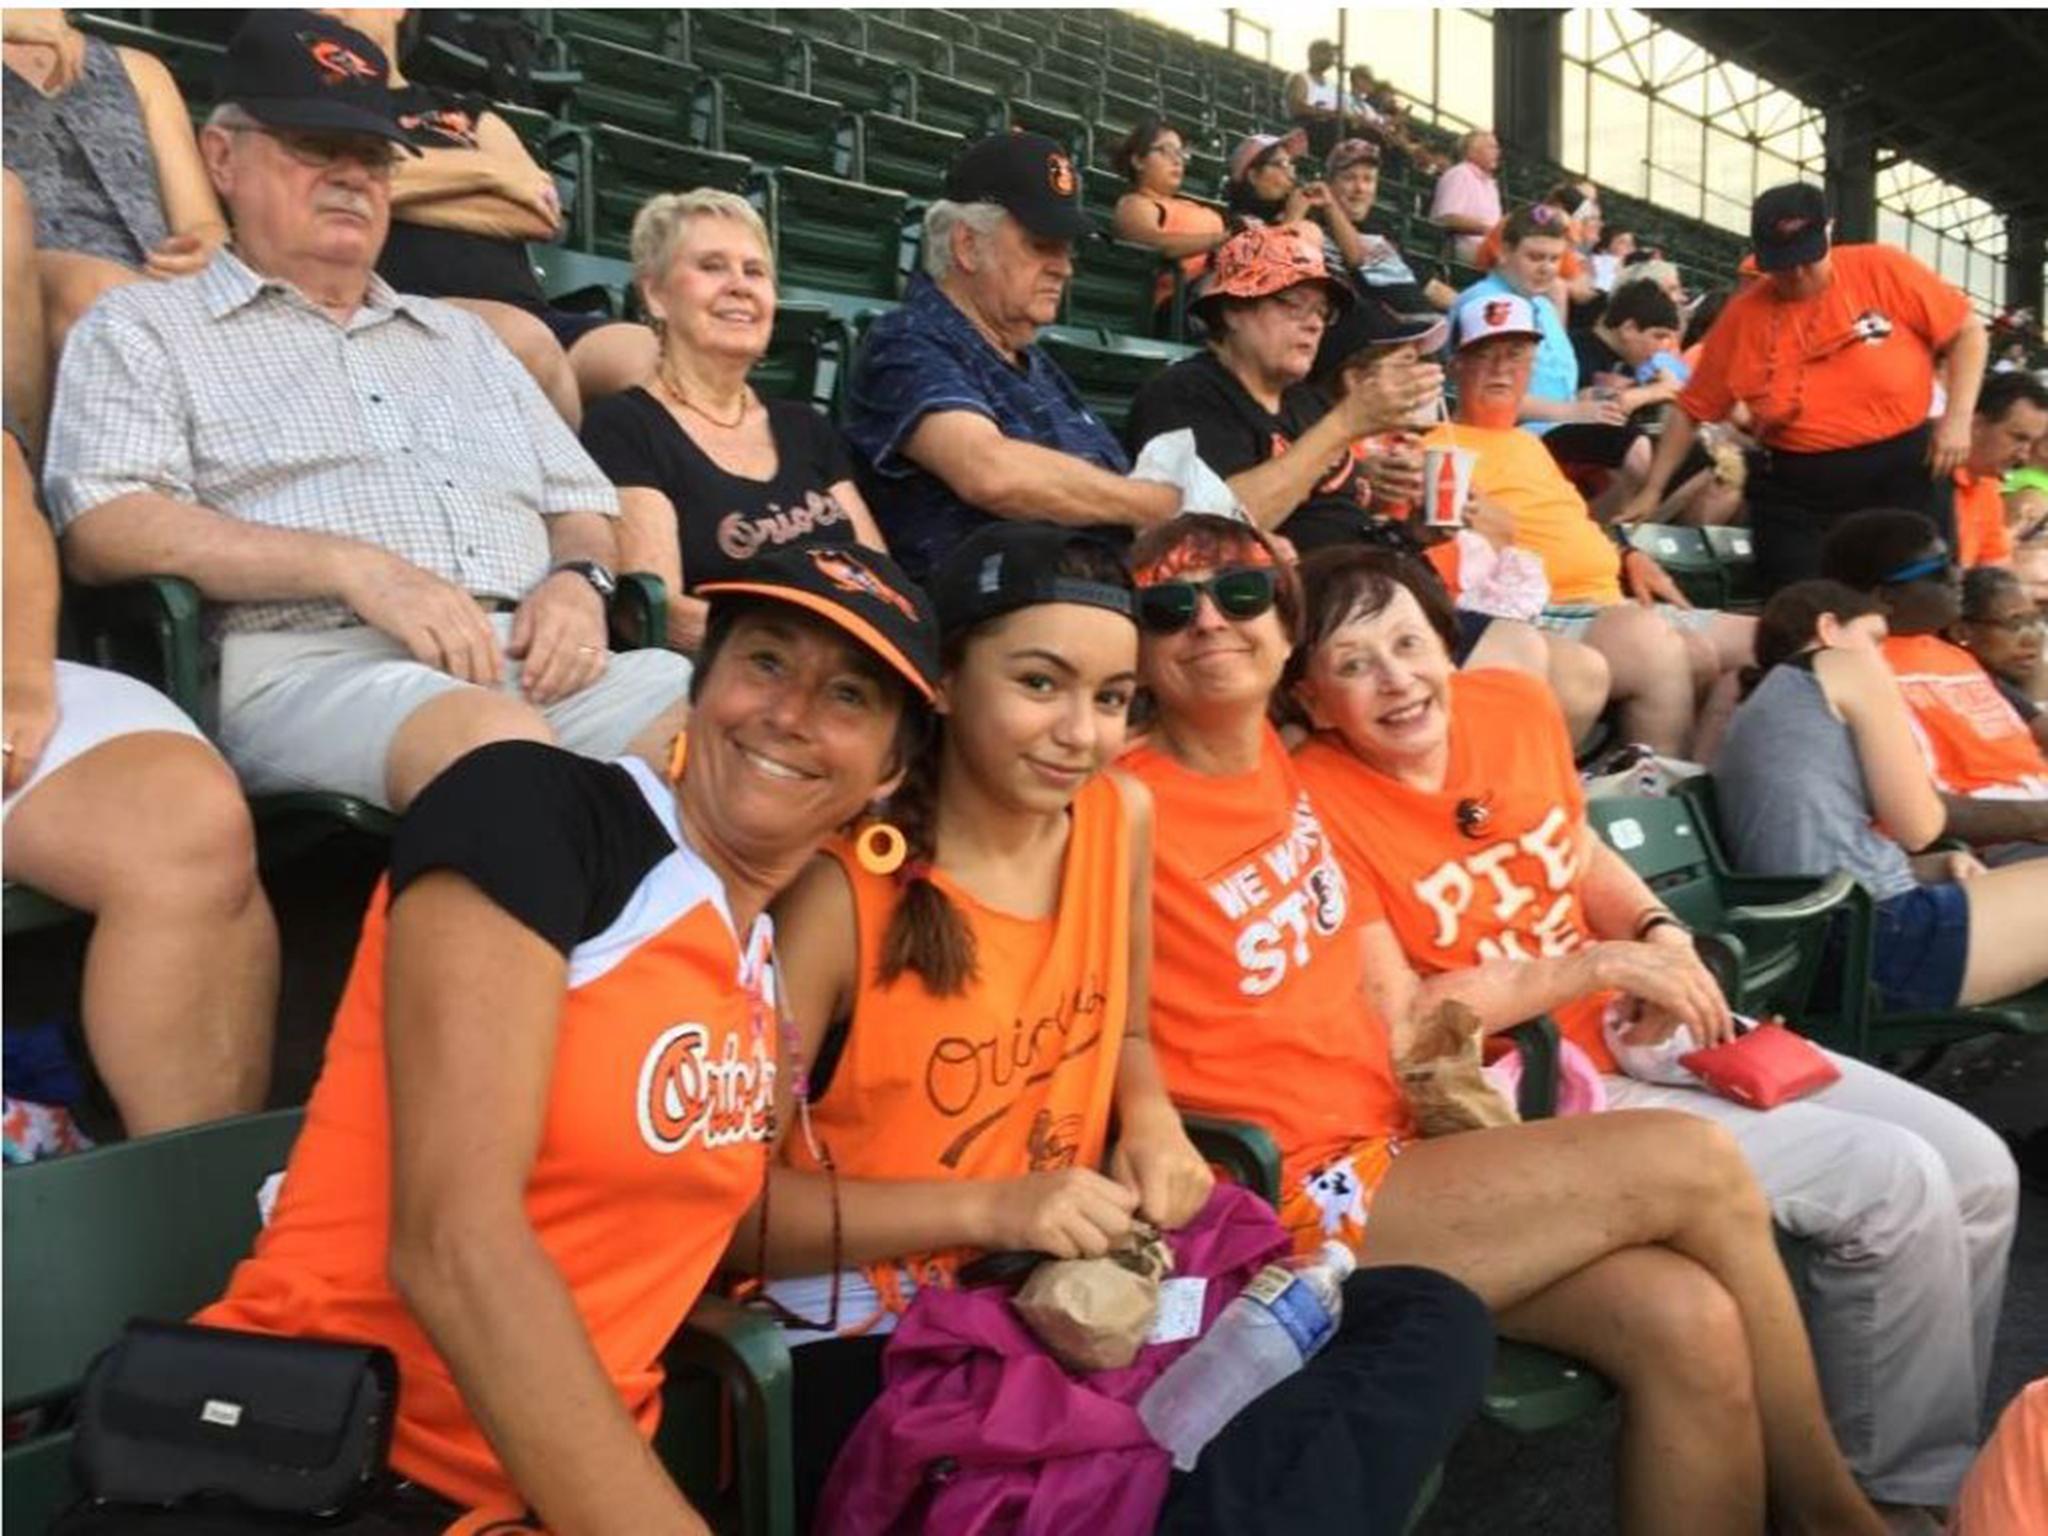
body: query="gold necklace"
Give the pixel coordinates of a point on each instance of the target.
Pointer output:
(668, 383)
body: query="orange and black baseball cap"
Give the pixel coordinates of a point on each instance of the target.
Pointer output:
(1030, 176)
(299, 69)
(1265, 259)
(1789, 226)
(857, 590)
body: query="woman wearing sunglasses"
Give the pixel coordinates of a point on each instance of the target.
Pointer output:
(549, 1091)
(1452, 795)
(975, 1017)
(1638, 1241)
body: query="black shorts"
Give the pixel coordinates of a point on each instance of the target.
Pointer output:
(1588, 442)
(1471, 626)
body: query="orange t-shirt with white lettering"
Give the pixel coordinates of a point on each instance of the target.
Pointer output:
(654, 1143)
(1974, 741)
(1852, 365)
(1981, 535)
(1258, 1004)
(1551, 519)
(1510, 891)
(1015, 1075)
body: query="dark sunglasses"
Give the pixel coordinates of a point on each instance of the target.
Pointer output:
(1940, 563)
(1241, 592)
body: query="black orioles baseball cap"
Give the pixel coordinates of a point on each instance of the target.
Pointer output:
(1031, 177)
(1005, 566)
(857, 590)
(1789, 226)
(299, 69)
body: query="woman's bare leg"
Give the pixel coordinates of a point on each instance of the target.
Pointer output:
(72, 284)
(527, 338)
(1510, 1212)
(1660, 1327)
(2008, 951)
(21, 304)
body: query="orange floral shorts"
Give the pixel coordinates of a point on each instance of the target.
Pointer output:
(1335, 1199)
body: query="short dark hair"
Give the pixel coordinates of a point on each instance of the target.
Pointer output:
(1643, 304)
(1791, 619)
(1144, 133)
(2002, 391)
(1864, 546)
(1984, 585)
(1537, 219)
(1609, 233)
(1347, 581)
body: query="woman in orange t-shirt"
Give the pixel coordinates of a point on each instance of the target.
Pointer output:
(1453, 793)
(1638, 1241)
(549, 1090)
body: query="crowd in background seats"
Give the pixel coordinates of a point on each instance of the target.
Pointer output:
(352, 425)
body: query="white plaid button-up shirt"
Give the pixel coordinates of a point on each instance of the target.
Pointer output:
(410, 428)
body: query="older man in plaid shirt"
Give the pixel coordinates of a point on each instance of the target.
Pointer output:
(406, 553)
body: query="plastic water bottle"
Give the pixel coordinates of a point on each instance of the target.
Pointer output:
(1288, 1312)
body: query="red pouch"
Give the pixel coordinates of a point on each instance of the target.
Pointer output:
(1763, 1068)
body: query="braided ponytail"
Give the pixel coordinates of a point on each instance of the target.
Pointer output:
(926, 933)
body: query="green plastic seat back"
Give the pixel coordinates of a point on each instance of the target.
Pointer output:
(839, 235)
(907, 156)
(1660, 839)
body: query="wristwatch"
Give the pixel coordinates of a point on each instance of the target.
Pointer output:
(597, 575)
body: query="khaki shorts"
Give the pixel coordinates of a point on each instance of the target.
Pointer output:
(319, 711)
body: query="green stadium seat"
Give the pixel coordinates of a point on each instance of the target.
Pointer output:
(857, 80)
(632, 167)
(807, 355)
(632, 88)
(844, 236)
(1100, 190)
(1686, 556)
(1203, 176)
(1028, 116)
(563, 149)
(1039, 27)
(651, 31)
(1021, 51)
(911, 157)
(953, 26)
(772, 125)
(729, 46)
(1112, 286)
(907, 44)
(1233, 122)
(1735, 548)
(1117, 114)
(1055, 88)
(582, 282)
(1173, 77)
(1108, 374)
(1080, 31)
(958, 106)
(1763, 938)
(983, 70)
(847, 28)
(1141, 82)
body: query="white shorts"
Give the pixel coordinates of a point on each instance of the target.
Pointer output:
(318, 711)
(1572, 620)
(94, 707)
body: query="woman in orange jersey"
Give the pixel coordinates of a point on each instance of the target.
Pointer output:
(1638, 1241)
(550, 1083)
(1453, 796)
(977, 1015)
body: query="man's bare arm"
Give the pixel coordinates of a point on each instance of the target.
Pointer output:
(1008, 478)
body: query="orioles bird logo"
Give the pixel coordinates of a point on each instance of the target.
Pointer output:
(340, 63)
(1059, 171)
(1497, 311)
(1787, 228)
(851, 576)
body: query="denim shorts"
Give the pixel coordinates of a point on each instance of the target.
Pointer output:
(1921, 944)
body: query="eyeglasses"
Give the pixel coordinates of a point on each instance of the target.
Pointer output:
(1940, 563)
(2017, 624)
(320, 151)
(1241, 592)
(1169, 152)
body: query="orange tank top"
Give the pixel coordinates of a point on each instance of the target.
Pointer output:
(1258, 1004)
(654, 1145)
(1182, 216)
(1512, 890)
(1016, 1074)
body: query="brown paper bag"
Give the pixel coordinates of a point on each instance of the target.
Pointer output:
(1095, 1314)
(1440, 1073)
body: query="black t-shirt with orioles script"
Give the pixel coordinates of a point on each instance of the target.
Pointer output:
(1233, 433)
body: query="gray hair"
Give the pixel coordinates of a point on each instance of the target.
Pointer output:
(1656, 270)
(942, 218)
(230, 114)
(658, 227)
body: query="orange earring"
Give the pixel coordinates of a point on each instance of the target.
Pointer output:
(678, 754)
(881, 848)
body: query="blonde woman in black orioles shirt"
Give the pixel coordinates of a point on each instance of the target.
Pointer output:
(710, 475)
